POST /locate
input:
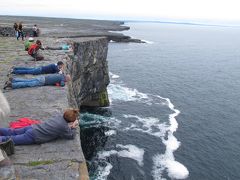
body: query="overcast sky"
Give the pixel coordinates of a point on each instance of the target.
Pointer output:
(164, 10)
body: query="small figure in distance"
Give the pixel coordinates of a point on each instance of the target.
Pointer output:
(66, 47)
(28, 43)
(47, 80)
(33, 50)
(59, 126)
(15, 26)
(35, 31)
(49, 69)
(20, 31)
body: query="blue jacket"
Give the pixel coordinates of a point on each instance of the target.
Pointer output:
(50, 69)
(52, 79)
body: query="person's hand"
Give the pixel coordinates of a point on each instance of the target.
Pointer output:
(74, 124)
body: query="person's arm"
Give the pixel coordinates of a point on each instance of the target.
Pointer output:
(70, 132)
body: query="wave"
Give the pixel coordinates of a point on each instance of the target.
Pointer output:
(127, 151)
(150, 125)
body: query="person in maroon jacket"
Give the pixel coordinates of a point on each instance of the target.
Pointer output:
(33, 50)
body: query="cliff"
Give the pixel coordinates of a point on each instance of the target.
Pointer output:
(87, 64)
(89, 71)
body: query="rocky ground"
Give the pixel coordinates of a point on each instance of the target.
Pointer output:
(56, 160)
(72, 28)
(60, 159)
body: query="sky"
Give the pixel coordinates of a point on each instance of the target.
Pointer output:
(215, 11)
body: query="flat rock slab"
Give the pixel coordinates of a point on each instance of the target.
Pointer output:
(54, 160)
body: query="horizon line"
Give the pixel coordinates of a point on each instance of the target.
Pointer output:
(190, 22)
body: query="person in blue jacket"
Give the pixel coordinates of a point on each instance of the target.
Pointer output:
(49, 69)
(59, 126)
(47, 80)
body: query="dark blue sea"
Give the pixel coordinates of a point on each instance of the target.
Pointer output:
(174, 110)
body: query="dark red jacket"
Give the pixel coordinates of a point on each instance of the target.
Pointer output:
(33, 49)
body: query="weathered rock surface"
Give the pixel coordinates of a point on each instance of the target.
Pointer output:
(69, 28)
(89, 69)
(60, 159)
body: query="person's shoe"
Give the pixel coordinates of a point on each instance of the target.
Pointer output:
(7, 85)
(10, 72)
(8, 147)
(5, 161)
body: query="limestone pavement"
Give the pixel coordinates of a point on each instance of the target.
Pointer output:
(61, 159)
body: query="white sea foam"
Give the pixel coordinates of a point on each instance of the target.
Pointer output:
(119, 92)
(132, 152)
(148, 125)
(103, 172)
(175, 169)
(152, 126)
(148, 42)
(113, 76)
(128, 151)
(110, 132)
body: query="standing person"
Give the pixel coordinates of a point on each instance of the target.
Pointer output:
(49, 69)
(20, 31)
(48, 80)
(15, 26)
(33, 50)
(35, 31)
(60, 126)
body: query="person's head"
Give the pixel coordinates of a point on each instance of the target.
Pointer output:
(60, 64)
(70, 115)
(38, 42)
(67, 78)
(35, 25)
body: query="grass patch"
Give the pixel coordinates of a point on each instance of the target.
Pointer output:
(37, 163)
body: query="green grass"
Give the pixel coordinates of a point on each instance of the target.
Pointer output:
(37, 163)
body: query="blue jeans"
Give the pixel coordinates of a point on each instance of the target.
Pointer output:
(21, 136)
(27, 70)
(22, 83)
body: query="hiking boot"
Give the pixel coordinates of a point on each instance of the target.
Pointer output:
(8, 147)
(7, 85)
(5, 161)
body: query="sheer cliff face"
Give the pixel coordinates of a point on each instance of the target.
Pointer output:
(88, 68)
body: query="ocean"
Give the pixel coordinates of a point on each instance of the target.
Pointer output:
(174, 110)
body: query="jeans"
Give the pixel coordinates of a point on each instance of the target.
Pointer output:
(22, 83)
(20, 33)
(21, 136)
(26, 70)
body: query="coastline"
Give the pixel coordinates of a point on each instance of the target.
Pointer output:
(51, 160)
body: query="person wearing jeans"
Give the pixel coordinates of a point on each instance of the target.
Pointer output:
(59, 126)
(21, 136)
(48, 80)
(27, 70)
(22, 83)
(49, 69)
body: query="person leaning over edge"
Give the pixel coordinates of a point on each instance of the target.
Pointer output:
(48, 80)
(49, 69)
(60, 126)
(33, 50)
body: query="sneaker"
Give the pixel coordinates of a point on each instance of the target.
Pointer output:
(10, 72)
(8, 147)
